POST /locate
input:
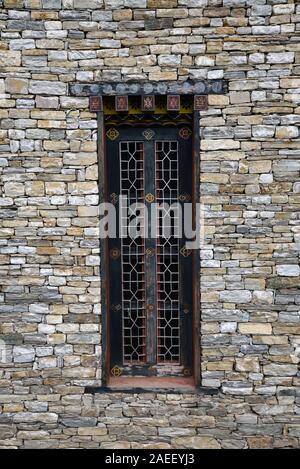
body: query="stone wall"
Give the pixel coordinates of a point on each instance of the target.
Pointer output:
(50, 306)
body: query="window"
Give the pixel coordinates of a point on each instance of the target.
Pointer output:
(150, 283)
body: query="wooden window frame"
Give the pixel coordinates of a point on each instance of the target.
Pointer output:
(132, 382)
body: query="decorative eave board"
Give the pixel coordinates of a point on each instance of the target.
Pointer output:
(189, 87)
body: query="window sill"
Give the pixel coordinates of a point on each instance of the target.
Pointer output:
(133, 385)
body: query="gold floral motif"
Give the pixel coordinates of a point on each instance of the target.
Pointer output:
(116, 371)
(187, 372)
(148, 134)
(185, 252)
(150, 198)
(185, 133)
(112, 134)
(149, 252)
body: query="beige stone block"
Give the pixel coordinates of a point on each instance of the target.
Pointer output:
(88, 211)
(290, 83)
(35, 188)
(222, 365)
(263, 297)
(247, 364)
(10, 58)
(211, 297)
(204, 61)
(55, 188)
(80, 159)
(46, 102)
(239, 97)
(51, 162)
(172, 13)
(89, 147)
(7, 103)
(56, 339)
(82, 188)
(195, 442)
(13, 408)
(215, 178)
(56, 145)
(70, 102)
(120, 62)
(160, 49)
(261, 166)
(270, 340)
(287, 132)
(255, 283)
(225, 144)
(255, 328)
(218, 100)
(74, 231)
(50, 124)
(59, 309)
(16, 86)
(48, 115)
(223, 156)
(92, 431)
(162, 3)
(161, 76)
(14, 189)
(91, 173)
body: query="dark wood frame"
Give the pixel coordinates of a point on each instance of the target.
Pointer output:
(105, 300)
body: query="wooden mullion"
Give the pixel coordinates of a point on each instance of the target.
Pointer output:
(150, 250)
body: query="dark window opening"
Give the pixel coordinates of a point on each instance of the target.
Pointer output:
(150, 282)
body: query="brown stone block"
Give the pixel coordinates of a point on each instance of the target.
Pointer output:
(74, 231)
(44, 251)
(287, 329)
(260, 442)
(44, 15)
(232, 189)
(13, 4)
(51, 162)
(162, 3)
(277, 188)
(122, 14)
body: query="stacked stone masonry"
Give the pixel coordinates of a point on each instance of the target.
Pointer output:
(50, 307)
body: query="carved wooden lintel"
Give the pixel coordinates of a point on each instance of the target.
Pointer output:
(189, 87)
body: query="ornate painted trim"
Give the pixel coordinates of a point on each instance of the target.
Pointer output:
(200, 103)
(173, 102)
(122, 103)
(148, 103)
(95, 104)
